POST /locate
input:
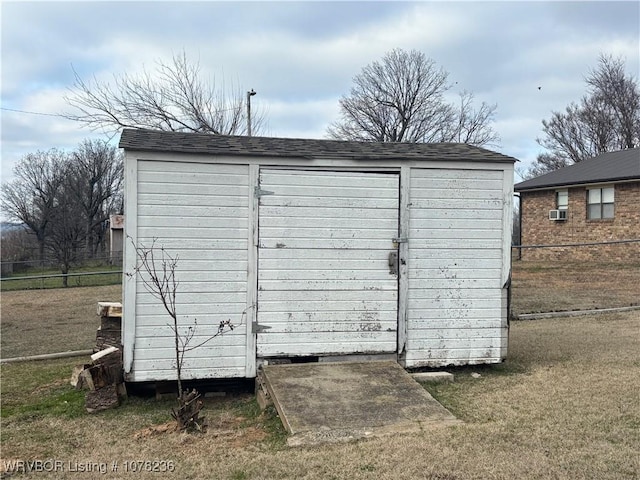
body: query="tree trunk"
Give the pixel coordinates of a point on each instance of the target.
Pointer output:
(65, 279)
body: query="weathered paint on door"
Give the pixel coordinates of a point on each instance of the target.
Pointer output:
(324, 281)
(456, 297)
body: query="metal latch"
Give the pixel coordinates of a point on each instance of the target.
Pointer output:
(393, 262)
(258, 192)
(400, 240)
(255, 328)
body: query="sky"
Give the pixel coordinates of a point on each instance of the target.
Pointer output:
(529, 58)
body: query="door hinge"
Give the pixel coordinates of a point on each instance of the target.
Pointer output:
(255, 328)
(400, 240)
(258, 192)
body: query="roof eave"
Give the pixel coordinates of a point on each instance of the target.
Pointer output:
(577, 184)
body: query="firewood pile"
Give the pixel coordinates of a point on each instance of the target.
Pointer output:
(103, 377)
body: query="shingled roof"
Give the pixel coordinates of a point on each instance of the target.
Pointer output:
(179, 142)
(606, 167)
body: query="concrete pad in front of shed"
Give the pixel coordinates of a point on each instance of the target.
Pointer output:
(334, 402)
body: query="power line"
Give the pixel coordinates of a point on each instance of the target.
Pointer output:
(32, 113)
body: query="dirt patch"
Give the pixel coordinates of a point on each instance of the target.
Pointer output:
(232, 431)
(169, 427)
(49, 386)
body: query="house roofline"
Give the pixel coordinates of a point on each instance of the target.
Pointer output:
(577, 184)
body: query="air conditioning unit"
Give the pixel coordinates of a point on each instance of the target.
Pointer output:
(557, 215)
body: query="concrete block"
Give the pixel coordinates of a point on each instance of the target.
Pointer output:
(433, 377)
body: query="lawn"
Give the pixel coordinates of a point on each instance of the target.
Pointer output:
(53, 320)
(564, 404)
(553, 286)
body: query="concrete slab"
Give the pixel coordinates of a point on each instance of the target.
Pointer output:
(336, 402)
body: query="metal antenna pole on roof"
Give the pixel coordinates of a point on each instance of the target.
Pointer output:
(250, 94)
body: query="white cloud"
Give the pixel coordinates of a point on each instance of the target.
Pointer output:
(301, 56)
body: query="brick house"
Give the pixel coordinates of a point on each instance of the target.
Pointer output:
(594, 201)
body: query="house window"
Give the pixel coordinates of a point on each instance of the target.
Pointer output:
(600, 203)
(562, 199)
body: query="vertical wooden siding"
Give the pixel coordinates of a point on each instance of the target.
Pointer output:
(455, 307)
(324, 285)
(200, 213)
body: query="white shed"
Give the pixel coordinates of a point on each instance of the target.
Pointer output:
(332, 248)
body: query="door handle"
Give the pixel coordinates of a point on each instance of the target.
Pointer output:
(393, 262)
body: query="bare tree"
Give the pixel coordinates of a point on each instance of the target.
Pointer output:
(64, 199)
(95, 180)
(606, 119)
(66, 235)
(401, 99)
(470, 125)
(18, 244)
(173, 98)
(32, 196)
(619, 96)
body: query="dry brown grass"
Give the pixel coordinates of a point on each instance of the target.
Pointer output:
(549, 287)
(565, 405)
(49, 321)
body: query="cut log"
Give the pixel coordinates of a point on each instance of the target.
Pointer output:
(107, 337)
(102, 399)
(77, 378)
(109, 309)
(86, 380)
(108, 354)
(111, 323)
(104, 353)
(103, 375)
(99, 377)
(121, 390)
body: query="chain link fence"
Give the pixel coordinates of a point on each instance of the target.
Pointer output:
(564, 283)
(575, 276)
(38, 274)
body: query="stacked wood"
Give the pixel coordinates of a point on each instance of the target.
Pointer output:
(110, 332)
(103, 379)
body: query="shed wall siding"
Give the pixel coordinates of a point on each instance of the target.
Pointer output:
(199, 212)
(328, 236)
(456, 303)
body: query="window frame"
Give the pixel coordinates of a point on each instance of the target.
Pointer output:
(600, 204)
(564, 193)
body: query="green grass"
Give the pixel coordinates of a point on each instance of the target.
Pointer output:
(35, 389)
(277, 435)
(36, 395)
